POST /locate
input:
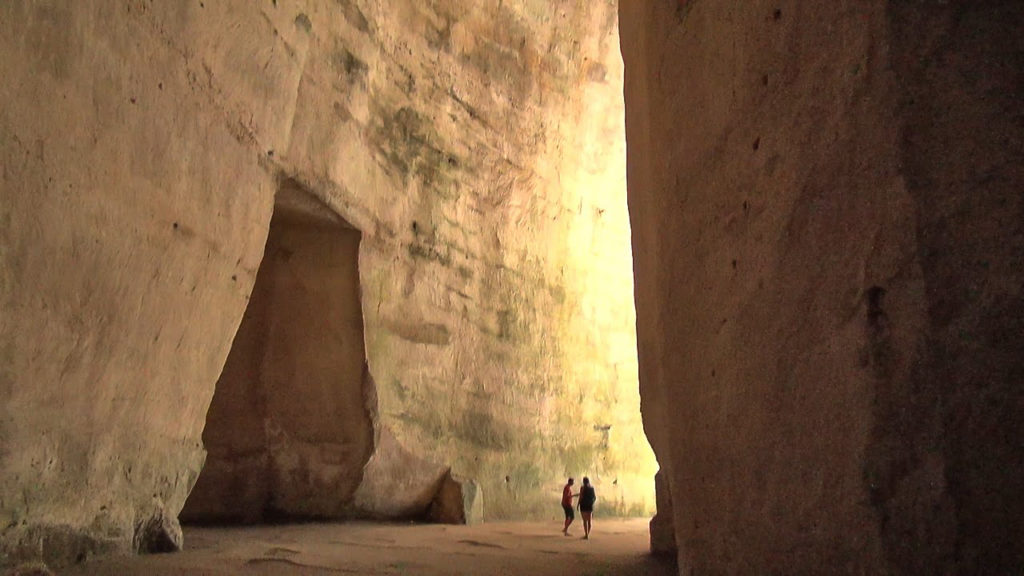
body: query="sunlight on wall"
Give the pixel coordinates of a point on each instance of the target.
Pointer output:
(598, 328)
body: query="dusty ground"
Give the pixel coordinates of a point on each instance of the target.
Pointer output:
(616, 547)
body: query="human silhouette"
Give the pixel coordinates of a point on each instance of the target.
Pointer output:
(567, 497)
(586, 505)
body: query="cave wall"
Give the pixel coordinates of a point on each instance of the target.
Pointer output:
(495, 242)
(288, 431)
(134, 214)
(826, 214)
(142, 144)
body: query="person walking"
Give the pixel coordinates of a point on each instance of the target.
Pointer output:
(567, 497)
(586, 505)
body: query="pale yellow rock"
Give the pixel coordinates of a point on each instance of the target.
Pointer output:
(143, 145)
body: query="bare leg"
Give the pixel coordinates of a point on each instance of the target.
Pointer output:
(586, 525)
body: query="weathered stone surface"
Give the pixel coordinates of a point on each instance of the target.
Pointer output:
(663, 532)
(826, 206)
(458, 501)
(59, 545)
(397, 483)
(288, 431)
(143, 144)
(32, 569)
(132, 219)
(158, 534)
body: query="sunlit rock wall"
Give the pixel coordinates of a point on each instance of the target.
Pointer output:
(473, 144)
(828, 237)
(480, 148)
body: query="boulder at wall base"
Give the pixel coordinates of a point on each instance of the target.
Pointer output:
(158, 534)
(458, 501)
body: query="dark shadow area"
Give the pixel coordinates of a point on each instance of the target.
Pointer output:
(288, 432)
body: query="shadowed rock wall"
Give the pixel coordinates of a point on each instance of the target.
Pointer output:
(827, 228)
(288, 431)
(475, 145)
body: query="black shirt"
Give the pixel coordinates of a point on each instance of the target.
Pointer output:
(587, 497)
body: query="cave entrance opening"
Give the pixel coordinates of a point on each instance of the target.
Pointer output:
(288, 431)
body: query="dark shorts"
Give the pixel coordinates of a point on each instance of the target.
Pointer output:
(569, 515)
(586, 509)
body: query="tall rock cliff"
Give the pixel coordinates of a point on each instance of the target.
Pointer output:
(827, 229)
(477, 149)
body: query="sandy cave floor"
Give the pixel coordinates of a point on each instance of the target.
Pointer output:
(616, 547)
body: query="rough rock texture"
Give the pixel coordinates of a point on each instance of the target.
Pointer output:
(158, 534)
(288, 431)
(142, 146)
(663, 533)
(32, 569)
(827, 227)
(397, 483)
(458, 501)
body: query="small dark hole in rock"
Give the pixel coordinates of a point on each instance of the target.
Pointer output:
(734, 263)
(175, 225)
(270, 153)
(875, 294)
(757, 143)
(234, 277)
(764, 79)
(777, 14)
(508, 478)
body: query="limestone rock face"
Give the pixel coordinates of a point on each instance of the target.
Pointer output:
(663, 532)
(160, 533)
(458, 501)
(397, 483)
(288, 431)
(32, 569)
(826, 214)
(144, 146)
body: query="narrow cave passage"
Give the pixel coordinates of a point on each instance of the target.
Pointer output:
(288, 433)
